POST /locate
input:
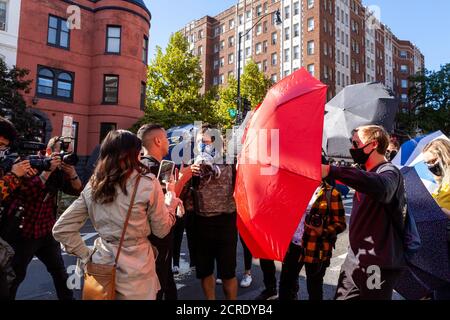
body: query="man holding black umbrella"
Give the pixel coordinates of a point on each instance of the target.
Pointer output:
(375, 259)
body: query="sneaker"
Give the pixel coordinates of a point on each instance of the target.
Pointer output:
(246, 280)
(267, 294)
(218, 281)
(175, 269)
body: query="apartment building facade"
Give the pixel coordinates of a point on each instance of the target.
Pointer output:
(9, 30)
(95, 72)
(340, 42)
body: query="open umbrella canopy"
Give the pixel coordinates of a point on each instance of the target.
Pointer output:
(430, 268)
(280, 164)
(355, 106)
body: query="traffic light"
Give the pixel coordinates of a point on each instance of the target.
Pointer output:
(246, 107)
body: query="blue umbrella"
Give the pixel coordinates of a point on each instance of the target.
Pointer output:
(429, 269)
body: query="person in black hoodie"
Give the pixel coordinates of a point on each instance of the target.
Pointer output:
(375, 257)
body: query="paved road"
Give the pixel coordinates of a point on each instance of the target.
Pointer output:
(38, 284)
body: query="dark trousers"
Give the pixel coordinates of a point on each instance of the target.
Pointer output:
(443, 293)
(49, 252)
(354, 284)
(184, 223)
(163, 264)
(247, 255)
(269, 274)
(4, 291)
(290, 271)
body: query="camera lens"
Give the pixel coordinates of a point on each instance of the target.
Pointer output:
(70, 159)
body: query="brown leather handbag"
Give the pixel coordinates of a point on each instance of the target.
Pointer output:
(100, 279)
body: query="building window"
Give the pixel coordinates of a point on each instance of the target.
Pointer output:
(311, 69)
(274, 38)
(258, 48)
(273, 77)
(404, 84)
(404, 68)
(258, 29)
(113, 34)
(286, 55)
(310, 24)
(296, 8)
(296, 52)
(200, 50)
(145, 50)
(274, 59)
(404, 98)
(2, 16)
(58, 33)
(54, 83)
(105, 128)
(296, 30)
(310, 48)
(287, 12)
(231, 24)
(222, 62)
(231, 58)
(310, 4)
(231, 41)
(111, 89)
(259, 11)
(143, 94)
(287, 34)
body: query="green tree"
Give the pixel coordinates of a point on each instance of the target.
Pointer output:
(12, 103)
(174, 81)
(254, 86)
(430, 95)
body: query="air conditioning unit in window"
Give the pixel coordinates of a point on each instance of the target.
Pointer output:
(2, 26)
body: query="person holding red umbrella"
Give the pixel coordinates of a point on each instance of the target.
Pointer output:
(375, 260)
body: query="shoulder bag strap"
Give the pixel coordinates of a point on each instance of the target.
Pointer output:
(127, 219)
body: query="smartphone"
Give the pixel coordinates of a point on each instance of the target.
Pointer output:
(166, 170)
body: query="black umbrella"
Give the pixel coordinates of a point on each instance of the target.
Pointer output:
(429, 269)
(356, 105)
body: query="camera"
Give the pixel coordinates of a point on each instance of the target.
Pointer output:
(69, 158)
(315, 220)
(27, 149)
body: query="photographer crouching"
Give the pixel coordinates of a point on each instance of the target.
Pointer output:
(32, 213)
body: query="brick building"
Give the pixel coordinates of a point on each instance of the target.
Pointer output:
(340, 42)
(96, 73)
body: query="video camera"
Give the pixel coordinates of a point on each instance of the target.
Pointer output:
(28, 151)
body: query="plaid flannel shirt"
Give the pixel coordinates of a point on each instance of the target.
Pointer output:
(39, 203)
(8, 183)
(319, 248)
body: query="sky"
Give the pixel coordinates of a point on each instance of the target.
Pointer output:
(425, 23)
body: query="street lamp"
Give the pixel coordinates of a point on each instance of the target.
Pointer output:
(239, 117)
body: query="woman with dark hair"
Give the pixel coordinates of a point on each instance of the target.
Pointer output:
(106, 200)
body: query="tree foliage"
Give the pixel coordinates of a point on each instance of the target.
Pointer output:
(254, 86)
(12, 103)
(430, 95)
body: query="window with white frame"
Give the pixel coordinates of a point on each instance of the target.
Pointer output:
(296, 52)
(310, 47)
(311, 69)
(274, 38)
(231, 58)
(287, 33)
(296, 8)
(310, 4)
(287, 12)
(274, 59)
(3, 15)
(310, 24)
(258, 29)
(296, 30)
(287, 55)
(258, 48)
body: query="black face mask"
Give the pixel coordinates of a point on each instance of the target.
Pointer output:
(436, 169)
(359, 156)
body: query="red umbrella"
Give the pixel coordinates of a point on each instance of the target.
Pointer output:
(278, 174)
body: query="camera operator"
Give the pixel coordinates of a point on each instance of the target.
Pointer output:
(37, 199)
(10, 180)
